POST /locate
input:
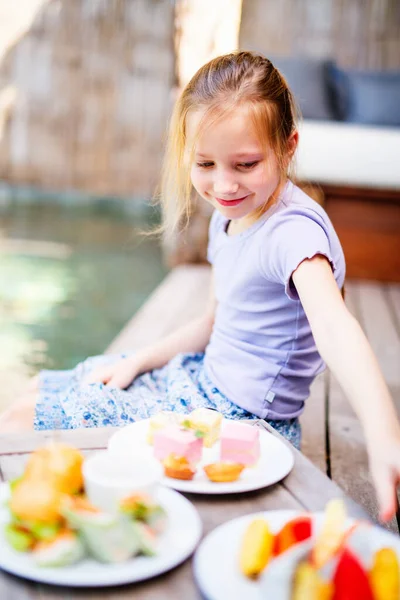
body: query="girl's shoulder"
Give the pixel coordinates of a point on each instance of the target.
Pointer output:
(294, 201)
(297, 211)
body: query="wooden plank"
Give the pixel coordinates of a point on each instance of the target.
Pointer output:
(12, 466)
(13, 588)
(349, 459)
(87, 439)
(313, 424)
(180, 297)
(319, 489)
(380, 328)
(380, 320)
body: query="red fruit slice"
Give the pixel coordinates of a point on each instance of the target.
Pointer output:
(351, 580)
(294, 531)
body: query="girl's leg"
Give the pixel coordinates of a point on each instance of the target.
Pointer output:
(19, 417)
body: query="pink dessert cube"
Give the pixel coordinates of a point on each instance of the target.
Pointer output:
(177, 440)
(240, 443)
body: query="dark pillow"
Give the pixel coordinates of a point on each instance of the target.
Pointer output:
(307, 78)
(367, 97)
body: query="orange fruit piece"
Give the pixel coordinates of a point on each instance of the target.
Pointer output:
(294, 531)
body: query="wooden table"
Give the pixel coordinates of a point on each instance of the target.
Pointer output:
(305, 488)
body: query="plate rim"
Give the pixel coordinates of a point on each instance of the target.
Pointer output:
(51, 575)
(234, 487)
(202, 549)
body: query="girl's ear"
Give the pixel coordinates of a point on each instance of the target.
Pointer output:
(292, 143)
(291, 148)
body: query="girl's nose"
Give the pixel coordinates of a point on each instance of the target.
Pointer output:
(225, 186)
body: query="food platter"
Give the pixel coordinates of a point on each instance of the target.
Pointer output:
(216, 562)
(276, 461)
(177, 543)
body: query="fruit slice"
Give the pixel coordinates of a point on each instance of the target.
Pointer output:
(256, 548)
(294, 531)
(309, 585)
(332, 536)
(384, 576)
(350, 579)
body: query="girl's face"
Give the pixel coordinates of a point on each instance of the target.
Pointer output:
(230, 169)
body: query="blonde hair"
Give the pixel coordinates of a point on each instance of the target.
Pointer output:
(219, 87)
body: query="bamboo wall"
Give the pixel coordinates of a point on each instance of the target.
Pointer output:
(86, 86)
(85, 95)
(356, 33)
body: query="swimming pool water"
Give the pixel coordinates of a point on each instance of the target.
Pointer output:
(70, 278)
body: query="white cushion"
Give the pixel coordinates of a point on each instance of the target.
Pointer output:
(349, 154)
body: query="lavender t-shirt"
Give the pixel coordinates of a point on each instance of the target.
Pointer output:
(261, 353)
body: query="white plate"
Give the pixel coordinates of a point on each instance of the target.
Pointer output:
(176, 544)
(216, 562)
(276, 461)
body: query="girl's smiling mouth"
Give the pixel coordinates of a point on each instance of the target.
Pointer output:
(230, 202)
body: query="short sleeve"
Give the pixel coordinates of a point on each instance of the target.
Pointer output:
(294, 238)
(212, 235)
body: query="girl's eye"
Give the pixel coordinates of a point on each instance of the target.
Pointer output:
(205, 165)
(248, 165)
(245, 166)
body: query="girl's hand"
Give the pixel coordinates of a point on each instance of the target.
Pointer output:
(119, 374)
(384, 456)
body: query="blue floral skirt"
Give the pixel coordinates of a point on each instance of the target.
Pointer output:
(182, 385)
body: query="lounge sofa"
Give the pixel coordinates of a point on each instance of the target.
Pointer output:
(350, 148)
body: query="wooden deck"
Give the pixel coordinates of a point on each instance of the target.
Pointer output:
(332, 436)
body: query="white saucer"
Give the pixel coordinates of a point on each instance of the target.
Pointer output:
(276, 461)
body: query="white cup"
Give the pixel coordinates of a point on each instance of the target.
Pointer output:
(109, 478)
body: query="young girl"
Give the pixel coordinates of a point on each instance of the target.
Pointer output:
(275, 307)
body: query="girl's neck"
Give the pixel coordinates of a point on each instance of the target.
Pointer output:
(236, 226)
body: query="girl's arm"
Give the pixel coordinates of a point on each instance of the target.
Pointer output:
(345, 349)
(192, 337)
